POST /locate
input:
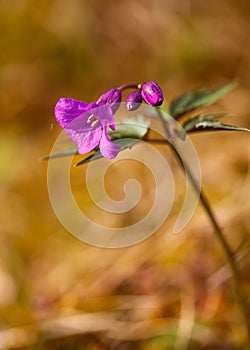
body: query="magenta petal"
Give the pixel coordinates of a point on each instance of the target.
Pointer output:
(85, 136)
(111, 98)
(86, 125)
(67, 109)
(104, 114)
(108, 149)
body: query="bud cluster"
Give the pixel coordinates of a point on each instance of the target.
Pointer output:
(149, 92)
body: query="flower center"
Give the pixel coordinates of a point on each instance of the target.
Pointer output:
(93, 120)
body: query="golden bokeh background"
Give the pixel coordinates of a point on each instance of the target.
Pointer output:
(170, 291)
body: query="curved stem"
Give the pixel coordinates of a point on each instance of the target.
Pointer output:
(128, 86)
(217, 231)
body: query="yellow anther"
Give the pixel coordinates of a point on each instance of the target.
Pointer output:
(95, 122)
(91, 117)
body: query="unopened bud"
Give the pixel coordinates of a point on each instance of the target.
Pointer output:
(133, 100)
(152, 93)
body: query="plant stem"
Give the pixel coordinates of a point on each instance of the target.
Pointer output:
(217, 231)
(128, 86)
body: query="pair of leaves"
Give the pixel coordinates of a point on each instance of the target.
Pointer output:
(126, 135)
(197, 98)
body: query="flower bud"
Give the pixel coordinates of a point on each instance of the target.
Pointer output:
(111, 98)
(152, 93)
(133, 100)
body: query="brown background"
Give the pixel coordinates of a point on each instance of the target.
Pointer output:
(169, 292)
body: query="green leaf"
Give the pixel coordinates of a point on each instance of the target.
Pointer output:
(182, 103)
(190, 123)
(135, 127)
(67, 152)
(124, 144)
(209, 123)
(198, 98)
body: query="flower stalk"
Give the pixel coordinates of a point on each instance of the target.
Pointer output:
(87, 124)
(217, 231)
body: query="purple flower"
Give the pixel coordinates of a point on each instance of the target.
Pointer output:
(86, 124)
(133, 100)
(111, 98)
(152, 93)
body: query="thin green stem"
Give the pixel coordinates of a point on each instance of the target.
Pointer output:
(217, 231)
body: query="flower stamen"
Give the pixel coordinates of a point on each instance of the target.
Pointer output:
(91, 117)
(95, 122)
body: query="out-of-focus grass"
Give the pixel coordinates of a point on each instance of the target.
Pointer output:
(169, 292)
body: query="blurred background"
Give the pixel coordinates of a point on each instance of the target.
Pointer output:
(170, 291)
